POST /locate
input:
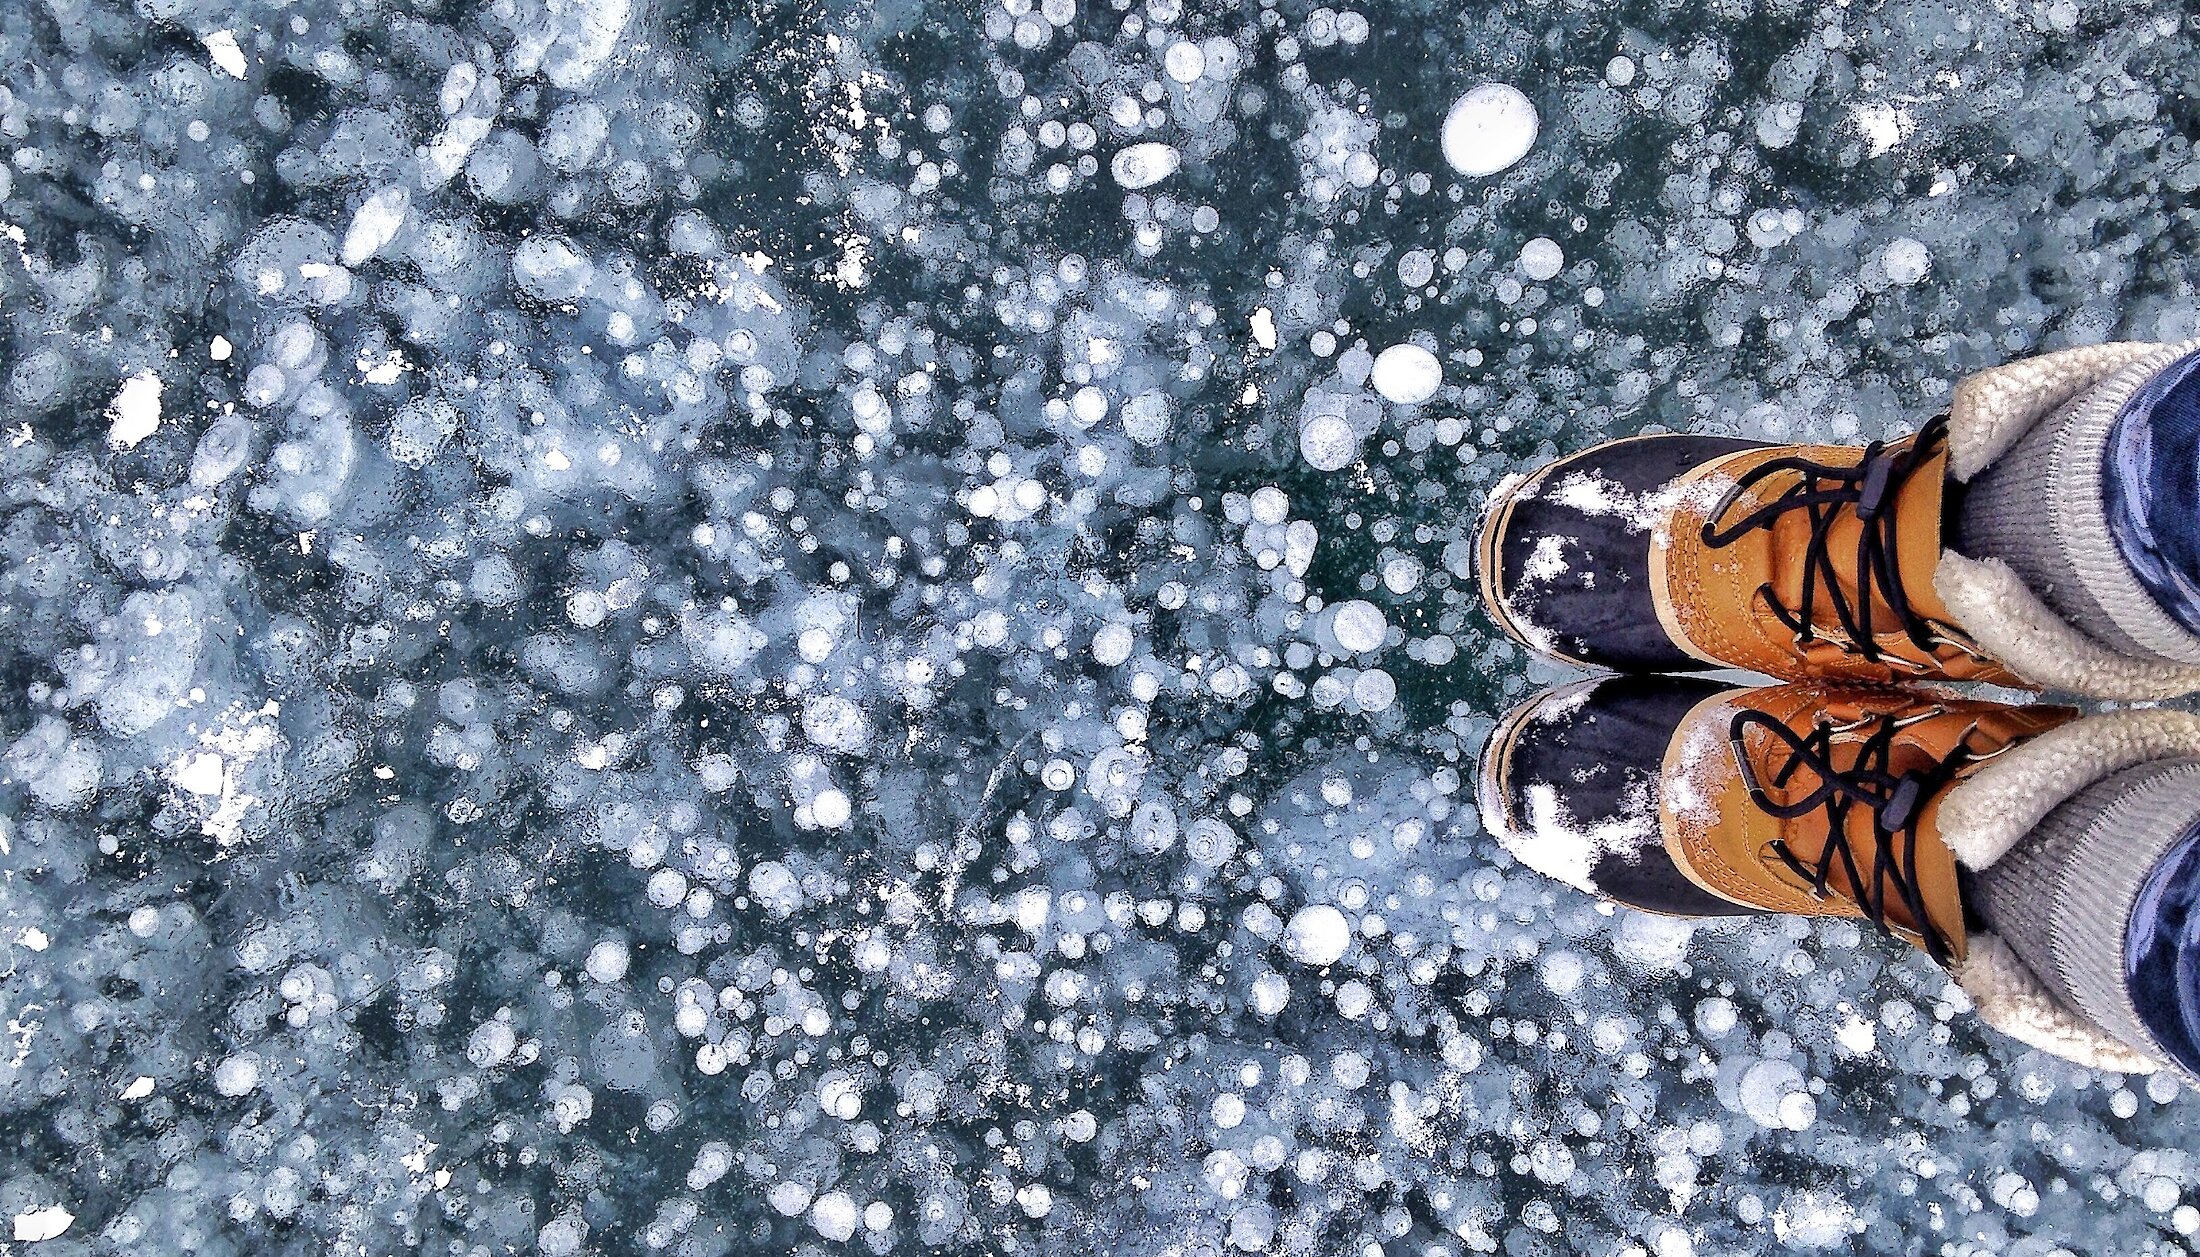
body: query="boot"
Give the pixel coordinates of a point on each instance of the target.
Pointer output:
(1896, 807)
(1687, 553)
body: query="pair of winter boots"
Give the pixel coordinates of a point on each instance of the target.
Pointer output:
(1866, 580)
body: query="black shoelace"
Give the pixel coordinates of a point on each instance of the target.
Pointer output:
(1895, 801)
(1867, 491)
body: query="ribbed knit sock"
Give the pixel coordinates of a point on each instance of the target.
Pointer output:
(2093, 509)
(2063, 898)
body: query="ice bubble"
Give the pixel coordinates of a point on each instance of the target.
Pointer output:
(1317, 935)
(549, 268)
(1906, 260)
(1088, 406)
(830, 808)
(1374, 690)
(36, 1226)
(491, 1043)
(1813, 1219)
(1327, 441)
(1358, 626)
(562, 1237)
(841, 1097)
(573, 136)
(1489, 129)
(228, 57)
(607, 960)
(1184, 61)
(1271, 991)
(1562, 972)
(835, 1216)
(586, 39)
(1209, 842)
(1715, 1017)
(1541, 259)
(199, 773)
(504, 169)
(835, 723)
(1144, 165)
(375, 224)
(1407, 374)
(789, 1196)
(776, 888)
(237, 1074)
(1111, 644)
(135, 412)
(1772, 1093)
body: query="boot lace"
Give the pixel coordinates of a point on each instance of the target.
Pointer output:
(1828, 493)
(1894, 800)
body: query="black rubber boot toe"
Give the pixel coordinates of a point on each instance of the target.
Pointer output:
(1564, 553)
(1570, 784)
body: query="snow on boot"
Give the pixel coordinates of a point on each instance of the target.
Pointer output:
(1823, 562)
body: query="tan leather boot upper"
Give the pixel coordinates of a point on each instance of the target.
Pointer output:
(1823, 800)
(1815, 561)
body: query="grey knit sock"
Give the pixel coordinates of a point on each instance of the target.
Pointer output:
(2062, 897)
(2038, 508)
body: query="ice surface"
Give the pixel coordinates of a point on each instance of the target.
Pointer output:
(725, 629)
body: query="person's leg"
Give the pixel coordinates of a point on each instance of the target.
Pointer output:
(2097, 508)
(2098, 901)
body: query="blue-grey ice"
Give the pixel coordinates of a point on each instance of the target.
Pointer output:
(713, 629)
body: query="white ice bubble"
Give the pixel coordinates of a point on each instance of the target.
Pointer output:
(237, 1074)
(1906, 260)
(789, 1196)
(1374, 690)
(1491, 127)
(607, 960)
(1813, 1219)
(1111, 645)
(375, 224)
(36, 1226)
(228, 57)
(1774, 1096)
(1562, 972)
(1541, 259)
(199, 773)
(1358, 625)
(549, 268)
(1144, 165)
(1407, 374)
(1184, 61)
(835, 1216)
(835, 723)
(1327, 441)
(135, 412)
(1318, 935)
(830, 808)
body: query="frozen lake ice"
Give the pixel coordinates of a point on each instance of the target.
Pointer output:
(726, 628)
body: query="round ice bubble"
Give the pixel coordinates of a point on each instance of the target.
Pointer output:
(1407, 374)
(1489, 129)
